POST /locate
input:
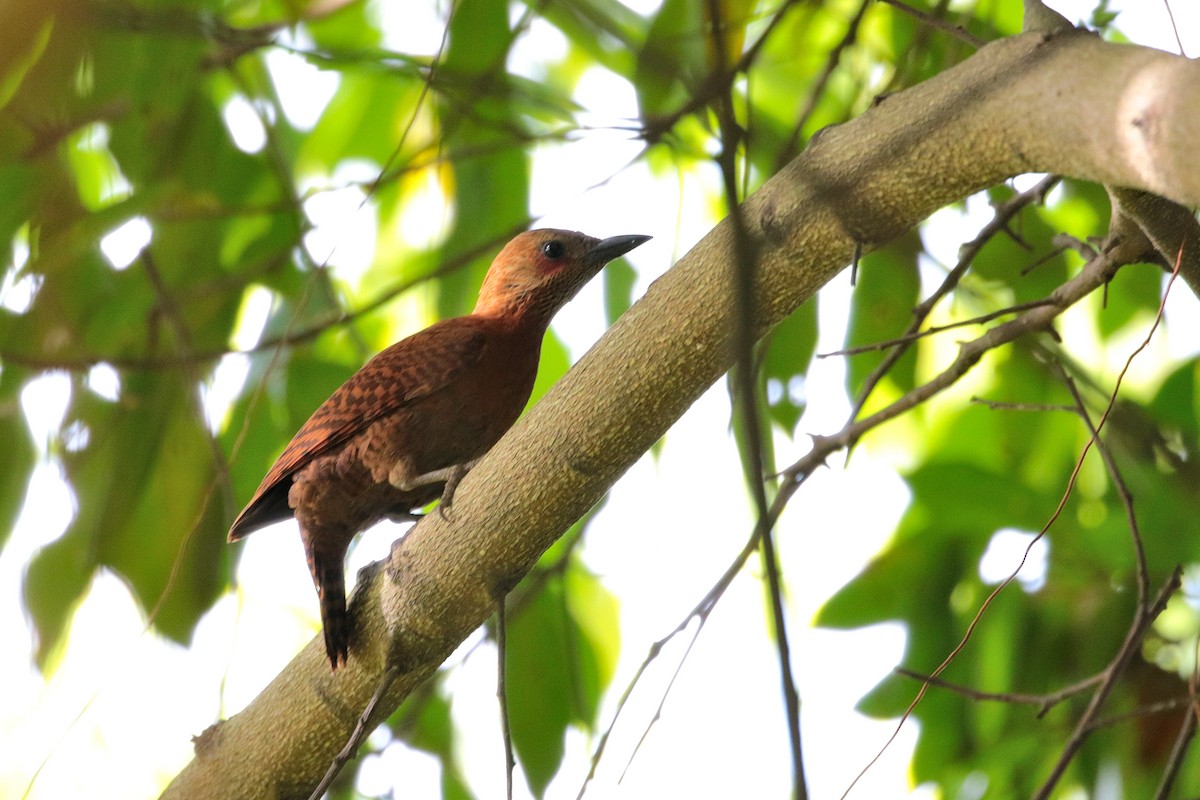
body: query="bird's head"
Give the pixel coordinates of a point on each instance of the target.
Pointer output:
(539, 271)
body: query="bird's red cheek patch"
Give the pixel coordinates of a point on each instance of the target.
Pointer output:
(548, 267)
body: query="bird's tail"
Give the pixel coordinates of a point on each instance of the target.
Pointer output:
(330, 580)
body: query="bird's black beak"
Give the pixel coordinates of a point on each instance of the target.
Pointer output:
(613, 247)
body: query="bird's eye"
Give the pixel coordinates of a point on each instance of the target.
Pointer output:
(554, 249)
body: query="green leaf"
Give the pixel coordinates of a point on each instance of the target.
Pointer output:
(541, 681)
(1177, 404)
(1132, 298)
(33, 40)
(789, 353)
(364, 104)
(595, 613)
(672, 62)
(352, 26)
(607, 31)
(1025, 262)
(561, 656)
(751, 472)
(490, 170)
(424, 722)
(55, 581)
(18, 455)
(160, 528)
(19, 185)
(885, 293)
(479, 37)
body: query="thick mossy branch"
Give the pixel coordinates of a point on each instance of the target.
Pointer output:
(1066, 103)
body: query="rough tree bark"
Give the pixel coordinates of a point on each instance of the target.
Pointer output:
(1066, 103)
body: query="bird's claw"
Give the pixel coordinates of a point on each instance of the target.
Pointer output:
(452, 481)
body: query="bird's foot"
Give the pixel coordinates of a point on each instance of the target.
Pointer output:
(452, 480)
(451, 476)
(443, 475)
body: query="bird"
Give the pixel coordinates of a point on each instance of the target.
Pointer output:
(404, 430)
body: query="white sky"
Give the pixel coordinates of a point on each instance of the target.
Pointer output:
(100, 719)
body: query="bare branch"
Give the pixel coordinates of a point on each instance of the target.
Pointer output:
(1044, 702)
(1141, 625)
(1004, 215)
(957, 31)
(746, 401)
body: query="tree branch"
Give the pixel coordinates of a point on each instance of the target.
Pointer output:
(1067, 103)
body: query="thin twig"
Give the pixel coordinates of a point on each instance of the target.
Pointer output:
(1052, 253)
(1148, 710)
(1139, 546)
(426, 84)
(745, 268)
(718, 85)
(1145, 614)
(1095, 274)
(1044, 702)
(957, 31)
(362, 729)
(661, 702)
(817, 89)
(998, 405)
(1174, 26)
(908, 338)
(502, 694)
(1187, 731)
(700, 612)
(969, 633)
(1141, 625)
(1005, 212)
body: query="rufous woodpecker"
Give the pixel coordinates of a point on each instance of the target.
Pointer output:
(404, 429)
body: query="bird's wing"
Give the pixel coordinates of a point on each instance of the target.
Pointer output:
(409, 370)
